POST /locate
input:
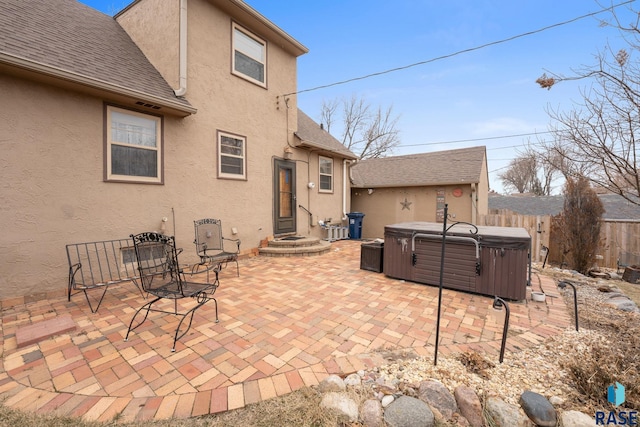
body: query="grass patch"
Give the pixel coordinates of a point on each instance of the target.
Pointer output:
(297, 409)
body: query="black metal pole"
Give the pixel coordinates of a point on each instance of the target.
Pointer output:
(497, 304)
(562, 285)
(444, 234)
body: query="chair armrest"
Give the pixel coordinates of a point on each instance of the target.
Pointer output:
(73, 269)
(237, 241)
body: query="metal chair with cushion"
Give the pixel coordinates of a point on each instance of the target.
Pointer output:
(210, 245)
(161, 276)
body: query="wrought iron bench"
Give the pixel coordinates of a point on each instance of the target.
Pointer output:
(162, 277)
(98, 265)
(210, 246)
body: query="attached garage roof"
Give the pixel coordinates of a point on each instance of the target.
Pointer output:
(463, 166)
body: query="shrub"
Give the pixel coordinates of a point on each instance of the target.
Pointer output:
(579, 223)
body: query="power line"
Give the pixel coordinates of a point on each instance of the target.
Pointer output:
(475, 139)
(471, 49)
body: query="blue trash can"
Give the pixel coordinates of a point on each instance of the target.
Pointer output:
(355, 225)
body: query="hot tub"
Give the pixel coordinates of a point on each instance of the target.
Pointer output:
(495, 261)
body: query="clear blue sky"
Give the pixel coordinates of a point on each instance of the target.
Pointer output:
(487, 93)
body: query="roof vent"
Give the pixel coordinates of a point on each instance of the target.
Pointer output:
(145, 104)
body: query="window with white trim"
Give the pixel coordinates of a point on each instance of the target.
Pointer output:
(232, 156)
(249, 56)
(133, 146)
(326, 174)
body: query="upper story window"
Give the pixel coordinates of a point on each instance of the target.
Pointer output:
(232, 156)
(133, 146)
(249, 56)
(326, 174)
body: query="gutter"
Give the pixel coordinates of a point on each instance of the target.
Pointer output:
(182, 90)
(48, 70)
(344, 189)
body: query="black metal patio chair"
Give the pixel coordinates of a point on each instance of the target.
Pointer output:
(161, 276)
(210, 245)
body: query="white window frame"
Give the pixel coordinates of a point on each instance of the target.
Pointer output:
(109, 143)
(321, 174)
(243, 156)
(236, 46)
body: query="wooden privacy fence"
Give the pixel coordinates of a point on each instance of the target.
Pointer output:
(616, 236)
(538, 227)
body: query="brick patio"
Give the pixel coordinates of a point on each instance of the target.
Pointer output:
(285, 323)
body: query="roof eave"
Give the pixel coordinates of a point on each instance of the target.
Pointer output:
(238, 8)
(426, 184)
(319, 147)
(59, 73)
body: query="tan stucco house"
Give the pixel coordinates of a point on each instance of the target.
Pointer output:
(172, 109)
(416, 187)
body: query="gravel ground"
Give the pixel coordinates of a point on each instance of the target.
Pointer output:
(539, 368)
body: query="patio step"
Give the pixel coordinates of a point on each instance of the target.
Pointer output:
(295, 246)
(34, 333)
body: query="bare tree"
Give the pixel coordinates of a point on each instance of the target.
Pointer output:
(599, 138)
(366, 131)
(521, 174)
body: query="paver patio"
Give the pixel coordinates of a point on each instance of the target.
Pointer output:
(285, 323)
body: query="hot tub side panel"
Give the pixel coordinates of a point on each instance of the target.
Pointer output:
(459, 264)
(397, 255)
(504, 272)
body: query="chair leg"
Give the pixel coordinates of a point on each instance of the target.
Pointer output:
(215, 301)
(86, 295)
(190, 314)
(146, 307)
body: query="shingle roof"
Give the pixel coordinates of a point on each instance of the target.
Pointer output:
(615, 206)
(64, 37)
(312, 135)
(463, 166)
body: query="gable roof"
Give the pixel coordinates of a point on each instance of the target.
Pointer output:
(463, 166)
(616, 207)
(72, 42)
(311, 135)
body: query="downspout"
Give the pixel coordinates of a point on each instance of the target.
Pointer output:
(474, 203)
(183, 50)
(344, 189)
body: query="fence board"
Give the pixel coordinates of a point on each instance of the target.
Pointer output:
(616, 236)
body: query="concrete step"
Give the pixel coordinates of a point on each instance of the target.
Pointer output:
(302, 247)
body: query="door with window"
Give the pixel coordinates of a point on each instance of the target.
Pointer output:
(284, 186)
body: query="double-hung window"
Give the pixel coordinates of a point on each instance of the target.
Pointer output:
(133, 146)
(249, 56)
(326, 174)
(232, 156)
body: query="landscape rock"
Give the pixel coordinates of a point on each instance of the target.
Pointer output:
(576, 419)
(353, 380)
(622, 303)
(332, 383)
(371, 414)
(556, 400)
(506, 415)
(409, 412)
(469, 405)
(437, 396)
(342, 405)
(387, 400)
(538, 409)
